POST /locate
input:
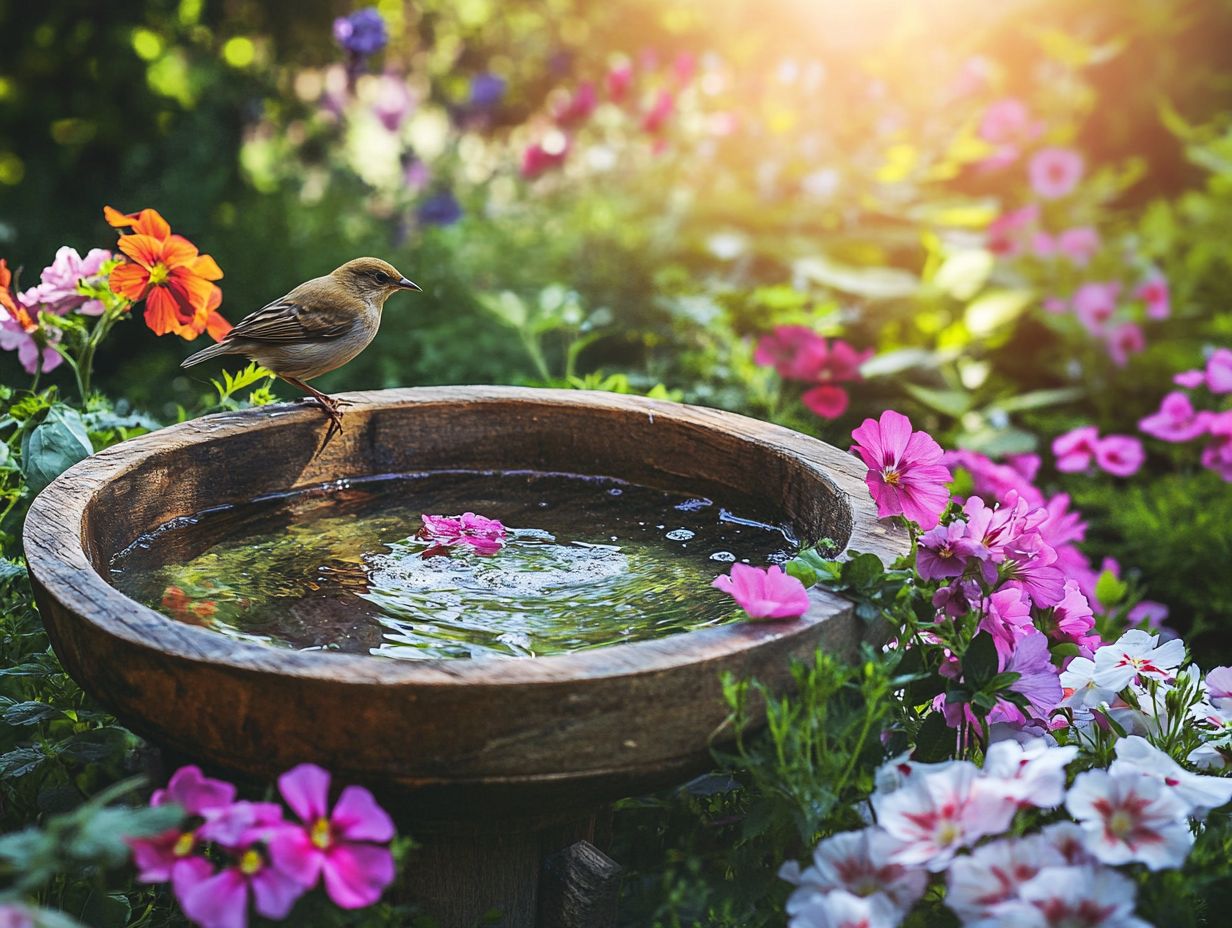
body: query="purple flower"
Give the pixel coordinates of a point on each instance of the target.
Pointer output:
(393, 101)
(764, 592)
(486, 90)
(1038, 679)
(945, 550)
(345, 846)
(1176, 419)
(905, 473)
(1219, 371)
(1217, 456)
(362, 33)
(440, 209)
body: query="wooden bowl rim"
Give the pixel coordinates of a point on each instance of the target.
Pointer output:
(56, 557)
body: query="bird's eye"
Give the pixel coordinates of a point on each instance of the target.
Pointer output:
(382, 277)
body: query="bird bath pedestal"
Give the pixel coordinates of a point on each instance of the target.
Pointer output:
(497, 767)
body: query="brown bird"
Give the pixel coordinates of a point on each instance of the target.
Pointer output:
(316, 328)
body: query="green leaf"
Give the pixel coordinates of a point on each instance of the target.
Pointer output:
(30, 713)
(1109, 589)
(1002, 681)
(949, 402)
(963, 273)
(934, 741)
(863, 572)
(55, 445)
(1038, 399)
(21, 761)
(996, 309)
(874, 283)
(979, 664)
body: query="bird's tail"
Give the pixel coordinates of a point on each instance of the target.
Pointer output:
(206, 353)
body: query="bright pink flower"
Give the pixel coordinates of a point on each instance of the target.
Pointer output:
(1007, 617)
(1217, 456)
(345, 846)
(905, 473)
(1190, 380)
(1007, 121)
(659, 113)
(1176, 419)
(15, 916)
(1095, 305)
(220, 900)
(1043, 245)
(484, 536)
(1219, 371)
(1075, 450)
(618, 81)
(764, 592)
(944, 551)
(1055, 172)
(1123, 341)
(827, 401)
(1007, 233)
(684, 67)
(1128, 818)
(1119, 455)
(994, 481)
(57, 289)
(1073, 621)
(1078, 245)
(1154, 293)
(795, 351)
(538, 159)
(578, 107)
(159, 858)
(940, 812)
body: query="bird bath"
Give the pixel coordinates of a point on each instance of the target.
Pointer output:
(493, 763)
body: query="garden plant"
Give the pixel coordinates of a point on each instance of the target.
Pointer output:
(983, 246)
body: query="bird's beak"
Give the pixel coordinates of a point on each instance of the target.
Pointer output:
(409, 285)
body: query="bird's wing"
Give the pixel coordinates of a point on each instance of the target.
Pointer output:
(288, 320)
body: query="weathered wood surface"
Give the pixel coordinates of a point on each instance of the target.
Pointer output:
(449, 737)
(579, 888)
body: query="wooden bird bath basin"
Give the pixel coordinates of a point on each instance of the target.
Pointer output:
(509, 746)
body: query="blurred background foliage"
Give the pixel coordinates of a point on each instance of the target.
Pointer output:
(808, 162)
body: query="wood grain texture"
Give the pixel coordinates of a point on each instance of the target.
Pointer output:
(442, 736)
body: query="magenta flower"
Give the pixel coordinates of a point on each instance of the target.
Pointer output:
(165, 856)
(905, 473)
(827, 401)
(1007, 617)
(578, 107)
(1219, 371)
(1217, 456)
(57, 289)
(220, 900)
(541, 157)
(618, 81)
(1119, 455)
(1055, 172)
(1095, 304)
(32, 342)
(1008, 121)
(1073, 621)
(993, 480)
(345, 846)
(1176, 419)
(1154, 293)
(795, 351)
(764, 592)
(1123, 341)
(1006, 233)
(659, 113)
(484, 536)
(1075, 450)
(1078, 245)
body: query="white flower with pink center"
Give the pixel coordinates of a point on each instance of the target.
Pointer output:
(1128, 817)
(1070, 840)
(1069, 897)
(991, 875)
(1030, 774)
(857, 862)
(941, 812)
(839, 909)
(1078, 685)
(1199, 793)
(1135, 656)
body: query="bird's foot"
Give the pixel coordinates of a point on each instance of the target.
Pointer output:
(335, 428)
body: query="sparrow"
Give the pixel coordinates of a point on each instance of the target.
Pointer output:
(316, 328)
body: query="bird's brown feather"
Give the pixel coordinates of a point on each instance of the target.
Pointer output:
(286, 320)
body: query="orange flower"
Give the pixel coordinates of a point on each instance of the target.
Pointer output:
(168, 272)
(15, 310)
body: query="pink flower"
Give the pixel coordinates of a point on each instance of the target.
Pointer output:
(1119, 455)
(1072, 619)
(618, 81)
(1007, 617)
(1078, 245)
(32, 340)
(1043, 245)
(57, 289)
(1176, 419)
(1217, 456)
(905, 473)
(578, 107)
(220, 900)
(346, 846)
(1219, 689)
(1128, 818)
(1123, 341)
(1055, 172)
(1219, 371)
(1008, 231)
(993, 481)
(1075, 450)
(1008, 121)
(394, 101)
(942, 811)
(657, 116)
(484, 536)
(541, 157)
(1189, 379)
(993, 872)
(1095, 305)
(764, 592)
(1154, 293)
(827, 401)
(859, 863)
(796, 352)
(945, 551)
(1134, 656)
(161, 857)
(15, 916)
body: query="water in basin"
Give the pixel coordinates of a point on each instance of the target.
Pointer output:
(587, 562)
